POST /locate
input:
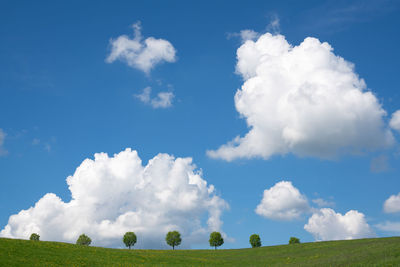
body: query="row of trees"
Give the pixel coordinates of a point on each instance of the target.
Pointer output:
(172, 238)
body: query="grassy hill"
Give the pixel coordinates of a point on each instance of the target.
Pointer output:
(362, 252)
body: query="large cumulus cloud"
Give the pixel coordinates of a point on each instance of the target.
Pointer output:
(303, 100)
(113, 195)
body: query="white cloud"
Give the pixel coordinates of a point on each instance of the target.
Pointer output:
(113, 195)
(326, 224)
(3, 135)
(303, 100)
(283, 201)
(162, 100)
(389, 226)
(323, 203)
(395, 120)
(392, 204)
(141, 54)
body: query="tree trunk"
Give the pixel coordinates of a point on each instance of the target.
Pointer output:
(173, 247)
(215, 247)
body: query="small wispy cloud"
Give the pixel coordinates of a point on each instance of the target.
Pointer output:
(145, 95)
(389, 226)
(244, 35)
(35, 141)
(335, 16)
(47, 147)
(379, 164)
(248, 34)
(162, 100)
(3, 135)
(322, 203)
(274, 25)
(141, 54)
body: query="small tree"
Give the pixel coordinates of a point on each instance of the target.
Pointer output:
(255, 241)
(129, 239)
(83, 240)
(294, 240)
(34, 237)
(216, 239)
(173, 239)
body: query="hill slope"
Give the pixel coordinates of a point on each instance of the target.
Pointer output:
(362, 252)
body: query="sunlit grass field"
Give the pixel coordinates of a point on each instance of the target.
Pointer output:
(362, 252)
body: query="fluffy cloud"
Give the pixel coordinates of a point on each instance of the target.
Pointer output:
(283, 201)
(326, 224)
(162, 100)
(141, 54)
(392, 204)
(303, 100)
(3, 151)
(395, 121)
(113, 195)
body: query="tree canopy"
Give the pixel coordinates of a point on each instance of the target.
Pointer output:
(216, 239)
(294, 240)
(255, 241)
(129, 239)
(83, 240)
(173, 239)
(34, 237)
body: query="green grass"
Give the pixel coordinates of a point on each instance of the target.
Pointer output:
(362, 252)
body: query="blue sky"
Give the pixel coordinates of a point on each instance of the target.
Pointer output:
(63, 101)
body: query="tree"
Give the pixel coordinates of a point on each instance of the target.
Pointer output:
(294, 240)
(129, 239)
(173, 239)
(255, 241)
(216, 239)
(34, 237)
(83, 240)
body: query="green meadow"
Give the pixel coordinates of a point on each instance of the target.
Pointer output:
(361, 252)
